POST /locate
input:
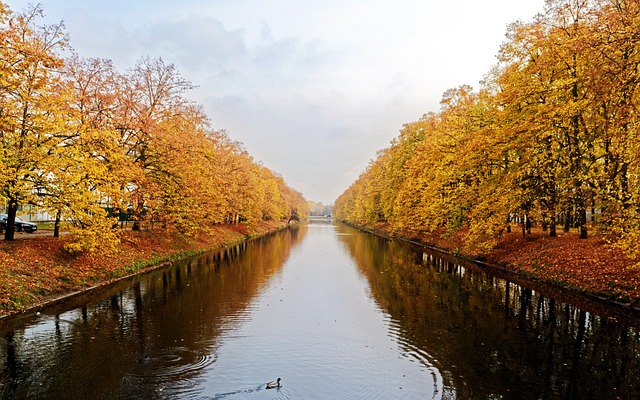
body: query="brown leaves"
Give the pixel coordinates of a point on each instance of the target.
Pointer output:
(35, 269)
(589, 264)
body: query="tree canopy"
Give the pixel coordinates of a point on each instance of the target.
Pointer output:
(551, 136)
(89, 143)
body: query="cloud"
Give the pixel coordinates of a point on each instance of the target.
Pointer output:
(308, 109)
(200, 45)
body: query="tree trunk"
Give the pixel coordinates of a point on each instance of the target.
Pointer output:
(583, 223)
(12, 210)
(581, 211)
(567, 221)
(56, 225)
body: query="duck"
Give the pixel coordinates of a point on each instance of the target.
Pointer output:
(143, 359)
(273, 384)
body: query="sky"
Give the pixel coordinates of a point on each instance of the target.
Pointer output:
(313, 89)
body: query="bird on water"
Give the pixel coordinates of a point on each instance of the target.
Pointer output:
(273, 384)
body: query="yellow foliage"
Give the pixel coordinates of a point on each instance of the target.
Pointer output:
(92, 232)
(78, 138)
(552, 133)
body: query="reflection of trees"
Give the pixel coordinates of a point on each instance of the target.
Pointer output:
(173, 316)
(12, 368)
(491, 337)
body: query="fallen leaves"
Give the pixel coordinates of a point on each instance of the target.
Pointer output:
(589, 265)
(35, 269)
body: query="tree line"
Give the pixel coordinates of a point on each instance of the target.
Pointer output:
(87, 143)
(551, 134)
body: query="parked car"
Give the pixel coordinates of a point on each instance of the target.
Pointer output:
(20, 224)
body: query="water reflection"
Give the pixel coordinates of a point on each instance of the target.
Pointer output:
(151, 338)
(337, 314)
(491, 338)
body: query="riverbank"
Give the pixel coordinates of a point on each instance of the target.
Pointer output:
(590, 266)
(36, 270)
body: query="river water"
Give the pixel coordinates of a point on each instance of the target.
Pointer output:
(334, 313)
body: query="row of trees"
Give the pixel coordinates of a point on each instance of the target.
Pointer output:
(86, 142)
(552, 132)
(319, 209)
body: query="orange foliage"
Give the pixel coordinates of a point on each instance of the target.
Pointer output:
(88, 144)
(551, 137)
(588, 264)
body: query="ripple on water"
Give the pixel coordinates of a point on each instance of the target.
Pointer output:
(174, 372)
(257, 392)
(413, 353)
(174, 362)
(325, 366)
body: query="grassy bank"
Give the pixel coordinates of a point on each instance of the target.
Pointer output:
(589, 266)
(37, 269)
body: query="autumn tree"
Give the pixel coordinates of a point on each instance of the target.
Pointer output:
(33, 107)
(90, 170)
(551, 133)
(615, 76)
(87, 143)
(150, 99)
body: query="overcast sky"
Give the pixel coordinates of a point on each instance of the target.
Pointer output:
(312, 88)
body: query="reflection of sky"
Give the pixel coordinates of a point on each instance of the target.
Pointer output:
(140, 338)
(317, 327)
(313, 89)
(334, 316)
(43, 328)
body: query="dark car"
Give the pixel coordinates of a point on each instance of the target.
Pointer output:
(20, 224)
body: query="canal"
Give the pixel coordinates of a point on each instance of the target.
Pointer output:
(333, 312)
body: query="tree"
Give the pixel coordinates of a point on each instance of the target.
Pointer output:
(33, 108)
(550, 80)
(87, 143)
(615, 78)
(91, 171)
(150, 98)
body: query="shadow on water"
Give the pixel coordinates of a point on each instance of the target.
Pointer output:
(492, 338)
(148, 337)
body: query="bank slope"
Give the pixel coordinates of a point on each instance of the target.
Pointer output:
(35, 270)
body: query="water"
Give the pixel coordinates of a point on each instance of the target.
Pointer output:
(335, 313)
